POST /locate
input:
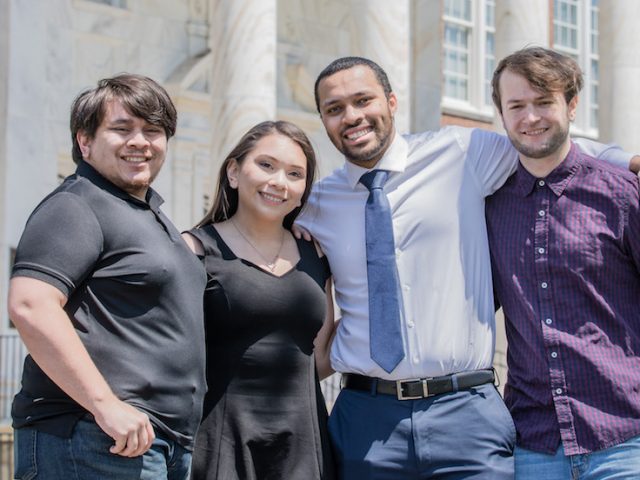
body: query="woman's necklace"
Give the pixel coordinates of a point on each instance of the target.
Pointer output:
(271, 265)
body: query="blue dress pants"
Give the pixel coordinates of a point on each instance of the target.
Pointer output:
(461, 435)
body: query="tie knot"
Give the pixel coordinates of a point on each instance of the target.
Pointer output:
(374, 179)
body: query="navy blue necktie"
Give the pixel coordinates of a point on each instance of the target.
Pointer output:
(385, 337)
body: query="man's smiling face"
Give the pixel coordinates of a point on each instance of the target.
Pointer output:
(536, 122)
(357, 115)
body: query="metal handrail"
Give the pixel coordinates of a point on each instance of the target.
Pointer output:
(12, 353)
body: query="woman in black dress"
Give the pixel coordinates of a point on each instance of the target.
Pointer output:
(269, 317)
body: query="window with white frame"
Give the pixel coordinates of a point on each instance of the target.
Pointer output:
(469, 56)
(575, 33)
(489, 49)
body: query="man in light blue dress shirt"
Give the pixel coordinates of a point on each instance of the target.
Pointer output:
(437, 414)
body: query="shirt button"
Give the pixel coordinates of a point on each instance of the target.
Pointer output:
(544, 285)
(541, 251)
(410, 324)
(398, 252)
(548, 321)
(416, 359)
(541, 183)
(406, 288)
(558, 391)
(554, 355)
(541, 213)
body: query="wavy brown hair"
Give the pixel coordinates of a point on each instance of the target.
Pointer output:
(225, 203)
(545, 69)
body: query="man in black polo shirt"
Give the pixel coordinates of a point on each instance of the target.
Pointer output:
(108, 300)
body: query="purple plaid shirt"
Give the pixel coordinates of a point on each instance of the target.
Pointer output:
(565, 254)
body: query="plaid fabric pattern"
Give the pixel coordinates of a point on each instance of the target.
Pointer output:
(565, 254)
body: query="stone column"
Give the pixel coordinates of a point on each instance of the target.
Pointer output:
(619, 73)
(381, 32)
(5, 7)
(521, 24)
(243, 42)
(426, 23)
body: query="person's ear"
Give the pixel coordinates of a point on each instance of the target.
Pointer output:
(232, 173)
(393, 103)
(84, 142)
(573, 108)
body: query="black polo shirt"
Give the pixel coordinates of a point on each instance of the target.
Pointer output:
(135, 299)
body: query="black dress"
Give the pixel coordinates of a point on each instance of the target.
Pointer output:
(264, 413)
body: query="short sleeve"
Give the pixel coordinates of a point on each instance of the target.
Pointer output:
(310, 211)
(61, 243)
(492, 158)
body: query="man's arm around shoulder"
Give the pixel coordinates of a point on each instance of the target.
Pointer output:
(36, 309)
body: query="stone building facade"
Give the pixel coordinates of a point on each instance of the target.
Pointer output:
(229, 64)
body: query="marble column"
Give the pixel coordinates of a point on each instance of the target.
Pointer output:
(426, 23)
(521, 24)
(243, 42)
(4, 86)
(619, 73)
(382, 33)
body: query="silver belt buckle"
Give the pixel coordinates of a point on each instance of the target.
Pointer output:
(402, 396)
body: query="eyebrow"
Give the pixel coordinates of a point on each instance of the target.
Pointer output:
(120, 120)
(267, 156)
(541, 96)
(330, 102)
(333, 101)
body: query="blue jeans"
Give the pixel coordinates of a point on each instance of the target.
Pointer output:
(462, 435)
(86, 456)
(619, 462)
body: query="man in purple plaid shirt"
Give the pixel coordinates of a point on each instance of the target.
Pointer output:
(564, 233)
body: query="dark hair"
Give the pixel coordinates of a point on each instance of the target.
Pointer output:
(140, 96)
(345, 63)
(545, 69)
(225, 203)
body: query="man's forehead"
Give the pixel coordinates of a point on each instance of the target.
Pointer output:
(520, 85)
(116, 111)
(354, 81)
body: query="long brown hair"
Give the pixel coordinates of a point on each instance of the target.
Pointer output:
(225, 203)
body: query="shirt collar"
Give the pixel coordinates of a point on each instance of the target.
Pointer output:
(153, 199)
(394, 160)
(557, 180)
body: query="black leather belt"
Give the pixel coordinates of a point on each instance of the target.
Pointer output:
(415, 388)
